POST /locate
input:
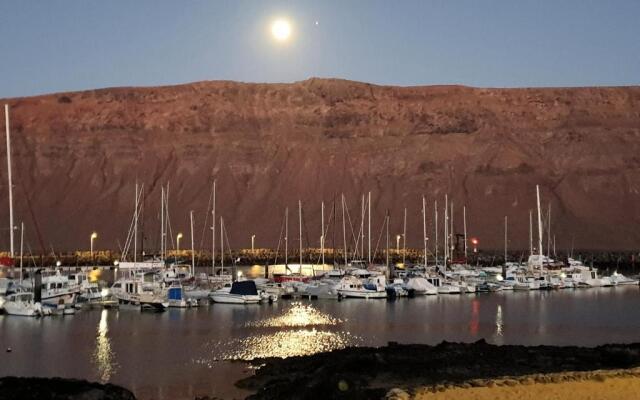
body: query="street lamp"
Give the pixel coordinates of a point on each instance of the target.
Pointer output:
(94, 236)
(475, 242)
(178, 242)
(253, 240)
(398, 243)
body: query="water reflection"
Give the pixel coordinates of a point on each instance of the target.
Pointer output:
(103, 355)
(474, 324)
(298, 315)
(281, 344)
(499, 324)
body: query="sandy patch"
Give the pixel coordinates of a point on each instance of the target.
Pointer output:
(594, 385)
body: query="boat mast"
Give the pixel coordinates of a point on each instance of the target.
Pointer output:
(369, 234)
(451, 234)
(162, 223)
(286, 238)
(193, 252)
(135, 230)
(300, 232)
(539, 224)
(221, 246)
(505, 239)
(464, 217)
(387, 223)
(322, 236)
(344, 232)
(435, 210)
(404, 238)
(6, 115)
(424, 229)
(362, 215)
(530, 232)
(549, 232)
(21, 248)
(213, 231)
(446, 231)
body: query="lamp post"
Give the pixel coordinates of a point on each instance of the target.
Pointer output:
(398, 243)
(94, 236)
(253, 242)
(178, 242)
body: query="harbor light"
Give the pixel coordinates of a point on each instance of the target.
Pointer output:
(474, 242)
(94, 236)
(58, 263)
(178, 241)
(116, 263)
(398, 243)
(253, 240)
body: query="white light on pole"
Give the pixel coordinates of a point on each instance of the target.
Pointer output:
(94, 236)
(253, 242)
(178, 242)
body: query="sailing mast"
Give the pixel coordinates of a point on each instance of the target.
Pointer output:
(322, 236)
(362, 215)
(387, 223)
(193, 252)
(21, 248)
(286, 238)
(6, 114)
(344, 232)
(221, 246)
(424, 229)
(464, 217)
(404, 238)
(213, 231)
(451, 234)
(549, 232)
(435, 210)
(300, 232)
(369, 234)
(135, 231)
(162, 223)
(530, 232)
(505, 239)
(446, 231)
(539, 224)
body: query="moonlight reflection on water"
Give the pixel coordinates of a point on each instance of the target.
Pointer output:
(284, 342)
(103, 356)
(298, 315)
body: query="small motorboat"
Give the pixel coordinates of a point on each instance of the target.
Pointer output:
(241, 292)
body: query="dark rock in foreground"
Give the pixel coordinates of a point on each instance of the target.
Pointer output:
(12, 388)
(365, 372)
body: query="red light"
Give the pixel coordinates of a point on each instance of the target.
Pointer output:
(474, 241)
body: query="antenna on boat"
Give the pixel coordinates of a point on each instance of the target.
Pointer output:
(6, 115)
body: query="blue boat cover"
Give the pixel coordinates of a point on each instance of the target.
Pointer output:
(244, 288)
(175, 293)
(370, 286)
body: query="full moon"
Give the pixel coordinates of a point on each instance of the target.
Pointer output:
(281, 30)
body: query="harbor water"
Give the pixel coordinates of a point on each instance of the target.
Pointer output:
(184, 353)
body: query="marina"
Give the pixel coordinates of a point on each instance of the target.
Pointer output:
(184, 353)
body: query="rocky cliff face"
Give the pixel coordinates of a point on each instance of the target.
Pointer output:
(78, 156)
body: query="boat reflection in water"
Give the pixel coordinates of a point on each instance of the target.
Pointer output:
(103, 355)
(284, 342)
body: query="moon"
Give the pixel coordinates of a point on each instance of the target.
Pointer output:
(281, 30)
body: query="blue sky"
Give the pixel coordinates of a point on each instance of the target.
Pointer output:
(60, 45)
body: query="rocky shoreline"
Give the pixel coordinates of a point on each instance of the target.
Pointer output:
(12, 388)
(370, 373)
(397, 371)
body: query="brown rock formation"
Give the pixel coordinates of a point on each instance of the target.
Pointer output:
(78, 155)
